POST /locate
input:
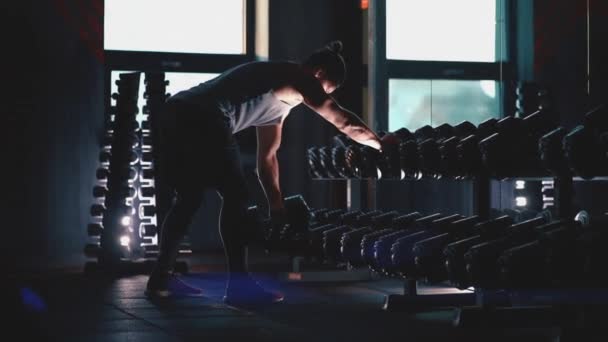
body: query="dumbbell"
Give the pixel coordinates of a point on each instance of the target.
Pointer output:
(403, 225)
(389, 161)
(439, 156)
(377, 249)
(429, 151)
(409, 149)
(449, 165)
(94, 229)
(454, 252)
(590, 253)
(363, 161)
(339, 245)
(401, 250)
(428, 253)
(147, 191)
(513, 150)
(325, 159)
(469, 156)
(276, 236)
(123, 191)
(341, 159)
(333, 238)
(481, 259)
(584, 146)
(315, 169)
(528, 264)
(552, 153)
(148, 230)
(349, 244)
(329, 216)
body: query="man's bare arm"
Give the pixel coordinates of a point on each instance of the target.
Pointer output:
(344, 120)
(269, 140)
(347, 122)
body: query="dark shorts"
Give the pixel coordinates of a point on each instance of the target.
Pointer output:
(198, 150)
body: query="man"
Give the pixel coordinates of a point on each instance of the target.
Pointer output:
(200, 152)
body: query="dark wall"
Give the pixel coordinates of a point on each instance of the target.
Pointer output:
(561, 45)
(55, 119)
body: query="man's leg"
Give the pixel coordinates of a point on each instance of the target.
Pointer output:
(174, 228)
(234, 223)
(235, 231)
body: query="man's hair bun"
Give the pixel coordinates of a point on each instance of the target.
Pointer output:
(335, 46)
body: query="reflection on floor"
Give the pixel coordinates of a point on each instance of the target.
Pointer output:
(79, 307)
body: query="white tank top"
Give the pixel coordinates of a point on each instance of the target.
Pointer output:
(261, 110)
(244, 94)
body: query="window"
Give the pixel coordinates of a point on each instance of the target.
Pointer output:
(438, 61)
(178, 26)
(415, 103)
(441, 30)
(178, 81)
(190, 41)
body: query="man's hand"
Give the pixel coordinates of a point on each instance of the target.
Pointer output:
(389, 140)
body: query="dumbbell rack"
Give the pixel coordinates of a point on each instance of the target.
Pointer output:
(510, 307)
(124, 234)
(161, 196)
(563, 308)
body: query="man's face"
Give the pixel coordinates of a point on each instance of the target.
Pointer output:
(328, 86)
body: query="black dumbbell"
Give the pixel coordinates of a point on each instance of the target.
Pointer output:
(402, 225)
(315, 169)
(401, 250)
(454, 252)
(149, 230)
(449, 165)
(526, 264)
(325, 159)
(428, 253)
(278, 235)
(333, 239)
(583, 146)
(389, 161)
(343, 246)
(552, 153)
(94, 229)
(513, 149)
(470, 161)
(430, 154)
(373, 251)
(410, 149)
(481, 259)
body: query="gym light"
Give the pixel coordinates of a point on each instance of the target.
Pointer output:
(520, 184)
(126, 221)
(125, 240)
(521, 201)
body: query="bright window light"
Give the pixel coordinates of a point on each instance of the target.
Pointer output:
(520, 184)
(125, 240)
(415, 103)
(441, 30)
(182, 26)
(521, 201)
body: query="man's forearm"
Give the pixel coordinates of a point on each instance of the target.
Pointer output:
(356, 129)
(268, 172)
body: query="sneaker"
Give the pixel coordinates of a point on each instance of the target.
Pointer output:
(165, 285)
(247, 292)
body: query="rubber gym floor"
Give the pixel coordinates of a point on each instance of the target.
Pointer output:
(69, 305)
